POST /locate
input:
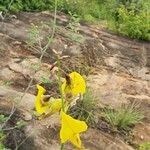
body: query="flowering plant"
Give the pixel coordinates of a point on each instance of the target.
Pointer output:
(73, 85)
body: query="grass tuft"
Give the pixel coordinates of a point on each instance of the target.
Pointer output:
(84, 109)
(124, 117)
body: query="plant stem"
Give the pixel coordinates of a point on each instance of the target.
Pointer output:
(62, 98)
(62, 146)
(59, 83)
(53, 32)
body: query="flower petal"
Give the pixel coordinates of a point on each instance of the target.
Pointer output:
(76, 140)
(71, 128)
(55, 105)
(41, 90)
(76, 86)
(46, 108)
(38, 105)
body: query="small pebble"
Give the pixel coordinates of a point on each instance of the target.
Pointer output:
(27, 117)
(141, 137)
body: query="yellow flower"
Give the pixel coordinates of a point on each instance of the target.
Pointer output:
(54, 105)
(40, 109)
(73, 85)
(70, 129)
(50, 107)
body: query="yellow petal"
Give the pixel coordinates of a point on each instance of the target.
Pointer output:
(77, 85)
(41, 90)
(55, 105)
(50, 107)
(70, 129)
(75, 139)
(38, 105)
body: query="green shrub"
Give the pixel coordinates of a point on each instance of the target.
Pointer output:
(27, 5)
(2, 147)
(132, 24)
(145, 146)
(128, 17)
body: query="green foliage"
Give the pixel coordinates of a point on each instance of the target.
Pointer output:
(27, 5)
(132, 24)
(84, 108)
(85, 9)
(2, 135)
(128, 17)
(34, 33)
(7, 82)
(145, 146)
(20, 124)
(3, 118)
(74, 22)
(2, 147)
(3, 131)
(124, 117)
(45, 80)
(76, 37)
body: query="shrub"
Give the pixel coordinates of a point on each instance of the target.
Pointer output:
(132, 24)
(27, 5)
(2, 147)
(144, 146)
(128, 17)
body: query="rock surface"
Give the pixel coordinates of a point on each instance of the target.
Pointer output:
(120, 75)
(141, 133)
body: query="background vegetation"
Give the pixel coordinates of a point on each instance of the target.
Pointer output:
(128, 17)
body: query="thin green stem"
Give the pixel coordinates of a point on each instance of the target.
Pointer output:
(62, 146)
(60, 89)
(53, 32)
(59, 68)
(59, 83)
